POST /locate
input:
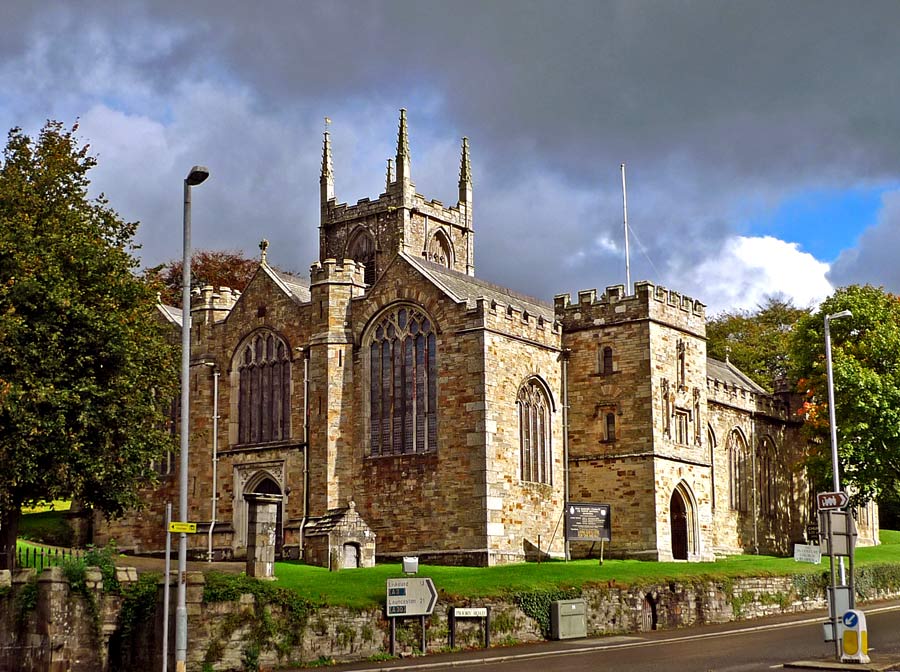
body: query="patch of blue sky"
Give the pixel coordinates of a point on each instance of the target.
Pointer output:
(822, 221)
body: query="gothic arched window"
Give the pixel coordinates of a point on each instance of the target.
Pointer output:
(403, 383)
(534, 432)
(439, 250)
(264, 389)
(362, 250)
(739, 467)
(768, 477)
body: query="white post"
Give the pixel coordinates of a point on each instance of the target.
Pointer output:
(625, 218)
(215, 462)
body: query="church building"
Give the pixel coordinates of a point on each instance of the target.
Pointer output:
(398, 405)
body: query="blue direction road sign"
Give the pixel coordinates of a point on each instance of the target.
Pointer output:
(851, 619)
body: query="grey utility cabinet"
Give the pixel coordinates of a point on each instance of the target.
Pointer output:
(568, 619)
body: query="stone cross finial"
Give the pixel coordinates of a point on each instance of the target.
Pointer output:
(263, 246)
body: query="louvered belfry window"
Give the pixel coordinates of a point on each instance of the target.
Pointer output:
(264, 405)
(403, 384)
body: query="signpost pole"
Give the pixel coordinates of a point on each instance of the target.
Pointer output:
(168, 579)
(833, 597)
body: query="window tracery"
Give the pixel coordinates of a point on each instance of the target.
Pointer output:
(403, 383)
(264, 389)
(534, 432)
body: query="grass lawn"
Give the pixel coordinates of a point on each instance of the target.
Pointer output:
(49, 527)
(55, 505)
(362, 588)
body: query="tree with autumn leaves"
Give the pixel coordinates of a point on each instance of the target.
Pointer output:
(208, 267)
(86, 370)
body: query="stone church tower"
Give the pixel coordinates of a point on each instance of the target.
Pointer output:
(400, 220)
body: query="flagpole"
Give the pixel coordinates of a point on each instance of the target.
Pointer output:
(625, 219)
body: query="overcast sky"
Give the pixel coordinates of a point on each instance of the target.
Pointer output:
(762, 139)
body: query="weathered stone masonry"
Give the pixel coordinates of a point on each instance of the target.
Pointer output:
(469, 463)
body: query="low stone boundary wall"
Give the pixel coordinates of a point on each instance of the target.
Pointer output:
(46, 625)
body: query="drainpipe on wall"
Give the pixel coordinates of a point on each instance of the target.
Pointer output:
(755, 479)
(565, 420)
(305, 353)
(215, 459)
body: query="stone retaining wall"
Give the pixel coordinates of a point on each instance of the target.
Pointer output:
(63, 629)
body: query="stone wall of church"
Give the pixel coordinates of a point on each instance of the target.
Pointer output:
(627, 484)
(693, 483)
(521, 515)
(407, 499)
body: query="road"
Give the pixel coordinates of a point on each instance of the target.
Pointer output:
(735, 647)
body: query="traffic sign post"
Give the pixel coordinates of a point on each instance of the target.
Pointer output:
(837, 538)
(413, 596)
(832, 500)
(179, 527)
(410, 597)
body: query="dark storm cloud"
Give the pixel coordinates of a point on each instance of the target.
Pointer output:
(712, 105)
(874, 259)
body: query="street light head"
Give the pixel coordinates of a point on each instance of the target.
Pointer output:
(197, 175)
(836, 316)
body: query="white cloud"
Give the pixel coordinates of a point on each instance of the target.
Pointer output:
(747, 269)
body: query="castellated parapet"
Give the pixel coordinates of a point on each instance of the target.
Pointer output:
(728, 394)
(649, 302)
(332, 271)
(209, 306)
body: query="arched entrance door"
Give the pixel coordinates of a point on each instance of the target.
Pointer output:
(679, 522)
(269, 487)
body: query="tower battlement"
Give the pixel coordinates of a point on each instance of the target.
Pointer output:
(215, 304)
(345, 271)
(649, 302)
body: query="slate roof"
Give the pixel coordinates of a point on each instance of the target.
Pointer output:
(730, 374)
(171, 313)
(466, 288)
(296, 287)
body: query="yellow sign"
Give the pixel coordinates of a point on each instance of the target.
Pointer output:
(178, 528)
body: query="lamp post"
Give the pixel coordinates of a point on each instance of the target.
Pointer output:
(197, 175)
(832, 423)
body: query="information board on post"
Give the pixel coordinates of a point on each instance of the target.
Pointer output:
(177, 527)
(588, 522)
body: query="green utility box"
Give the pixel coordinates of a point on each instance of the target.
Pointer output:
(568, 619)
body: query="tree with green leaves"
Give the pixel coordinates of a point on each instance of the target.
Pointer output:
(86, 370)
(757, 342)
(866, 368)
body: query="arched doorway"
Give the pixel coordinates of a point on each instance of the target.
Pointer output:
(269, 487)
(678, 515)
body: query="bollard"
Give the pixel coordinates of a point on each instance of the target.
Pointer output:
(855, 640)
